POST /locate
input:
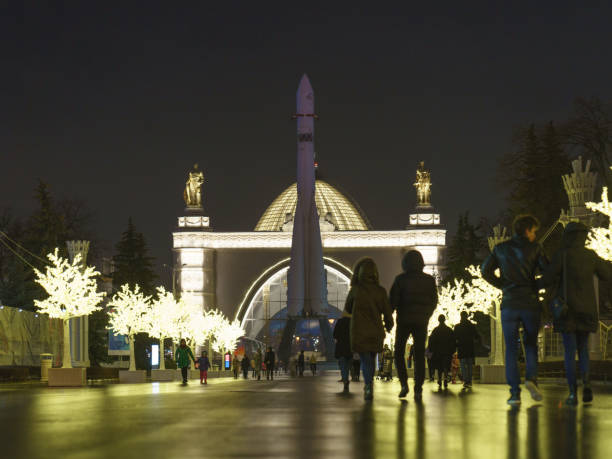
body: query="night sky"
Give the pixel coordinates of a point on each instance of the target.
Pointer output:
(115, 104)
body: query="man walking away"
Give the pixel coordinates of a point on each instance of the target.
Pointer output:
(466, 334)
(342, 339)
(270, 360)
(442, 344)
(582, 315)
(245, 365)
(183, 354)
(258, 361)
(313, 363)
(236, 366)
(300, 364)
(414, 296)
(519, 260)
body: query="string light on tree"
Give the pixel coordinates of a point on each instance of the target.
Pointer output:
(73, 292)
(600, 239)
(129, 308)
(163, 320)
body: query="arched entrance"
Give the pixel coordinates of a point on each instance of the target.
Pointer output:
(264, 314)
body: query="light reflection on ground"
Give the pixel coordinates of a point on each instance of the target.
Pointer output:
(295, 418)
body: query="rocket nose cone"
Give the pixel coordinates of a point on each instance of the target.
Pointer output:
(305, 96)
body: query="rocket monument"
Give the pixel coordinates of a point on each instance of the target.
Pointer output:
(306, 284)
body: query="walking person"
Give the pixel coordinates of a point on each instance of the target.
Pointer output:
(466, 334)
(430, 368)
(258, 361)
(183, 354)
(236, 366)
(355, 367)
(572, 269)
(414, 296)
(519, 260)
(367, 302)
(270, 360)
(300, 364)
(342, 339)
(313, 363)
(204, 365)
(245, 365)
(442, 344)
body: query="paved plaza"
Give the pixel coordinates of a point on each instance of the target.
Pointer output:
(296, 418)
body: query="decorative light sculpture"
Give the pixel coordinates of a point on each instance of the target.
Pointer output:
(163, 320)
(600, 239)
(129, 308)
(73, 292)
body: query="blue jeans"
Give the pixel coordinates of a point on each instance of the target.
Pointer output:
(367, 366)
(467, 366)
(511, 320)
(572, 342)
(345, 363)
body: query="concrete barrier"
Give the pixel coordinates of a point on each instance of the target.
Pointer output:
(67, 377)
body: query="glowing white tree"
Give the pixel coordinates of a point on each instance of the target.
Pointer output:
(163, 320)
(73, 292)
(129, 309)
(600, 239)
(227, 335)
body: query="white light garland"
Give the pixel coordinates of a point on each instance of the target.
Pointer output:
(600, 239)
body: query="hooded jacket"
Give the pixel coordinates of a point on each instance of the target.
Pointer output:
(518, 261)
(367, 302)
(582, 265)
(413, 294)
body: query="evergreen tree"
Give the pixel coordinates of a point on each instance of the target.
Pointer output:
(465, 249)
(132, 263)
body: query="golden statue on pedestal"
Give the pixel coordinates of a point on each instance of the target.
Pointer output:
(423, 186)
(193, 188)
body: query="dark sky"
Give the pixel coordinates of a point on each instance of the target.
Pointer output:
(115, 104)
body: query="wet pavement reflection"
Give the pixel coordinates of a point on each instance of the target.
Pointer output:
(296, 418)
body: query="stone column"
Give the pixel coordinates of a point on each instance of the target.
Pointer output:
(79, 325)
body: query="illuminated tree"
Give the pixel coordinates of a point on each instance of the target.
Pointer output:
(73, 292)
(227, 335)
(163, 320)
(600, 239)
(129, 309)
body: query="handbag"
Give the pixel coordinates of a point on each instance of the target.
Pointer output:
(558, 306)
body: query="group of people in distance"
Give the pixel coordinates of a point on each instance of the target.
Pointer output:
(265, 363)
(520, 269)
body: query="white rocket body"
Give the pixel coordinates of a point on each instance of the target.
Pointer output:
(306, 285)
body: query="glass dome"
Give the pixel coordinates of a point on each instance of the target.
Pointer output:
(345, 214)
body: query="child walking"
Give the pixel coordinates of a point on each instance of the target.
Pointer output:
(204, 365)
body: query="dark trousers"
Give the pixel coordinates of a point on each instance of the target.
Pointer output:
(511, 321)
(442, 363)
(572, 342)
(184, 374)
(245, 373)
(269, 372)
(419, 335)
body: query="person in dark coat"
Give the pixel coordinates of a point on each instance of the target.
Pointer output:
(414, 296)
(582, 315)
(519, 260)
(342, 339)
(367, 302)
(270, 361)
(245, 365)
(466, 334)
(300, 364)
(442, 344)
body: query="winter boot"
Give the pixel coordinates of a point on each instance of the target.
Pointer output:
(572, 399)
(532, 387)
(418, 394)
(368, 392)
(404, 391)
(514, 400)
(346, 387)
